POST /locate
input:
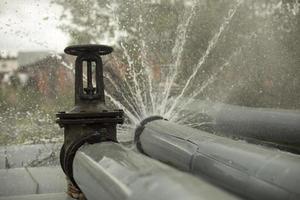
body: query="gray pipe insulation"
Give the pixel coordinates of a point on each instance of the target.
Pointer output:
(270, 125)
(252, 171)
(109, 171)
(278, 126)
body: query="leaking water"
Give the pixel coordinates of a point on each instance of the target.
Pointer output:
(160, 102)
(163, 76)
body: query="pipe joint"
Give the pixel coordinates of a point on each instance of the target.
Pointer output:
(139, 129)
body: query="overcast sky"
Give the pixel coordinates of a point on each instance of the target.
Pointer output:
(30, 25)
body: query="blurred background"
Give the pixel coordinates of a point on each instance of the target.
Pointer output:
(236, 52)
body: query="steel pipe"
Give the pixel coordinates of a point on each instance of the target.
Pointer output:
(110, 171)
(252, 171)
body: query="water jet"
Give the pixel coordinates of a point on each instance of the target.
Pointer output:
(97, 165)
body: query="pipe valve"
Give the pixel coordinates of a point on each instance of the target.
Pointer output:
(90, 121)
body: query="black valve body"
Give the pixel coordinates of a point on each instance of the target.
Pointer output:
(90, 121)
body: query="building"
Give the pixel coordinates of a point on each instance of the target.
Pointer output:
(8, 65)
(47, 73)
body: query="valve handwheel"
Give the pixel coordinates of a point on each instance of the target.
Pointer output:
(88, 48)
(89, 54)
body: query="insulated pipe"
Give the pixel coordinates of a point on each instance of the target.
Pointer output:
(278, 126)
(262, 124)
(109, 171)
(249, 170)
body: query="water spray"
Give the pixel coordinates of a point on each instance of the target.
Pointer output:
(93, 160)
